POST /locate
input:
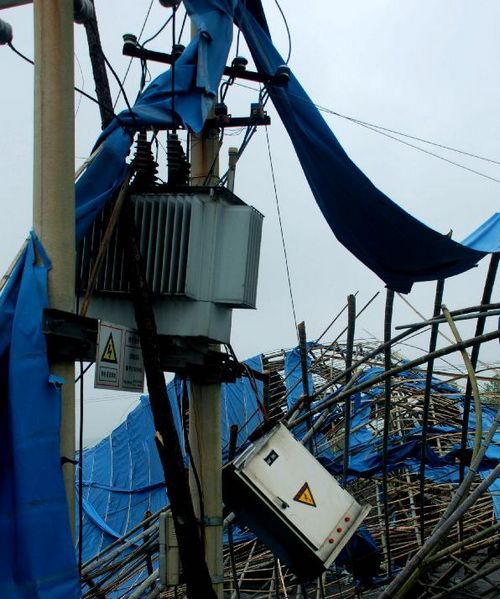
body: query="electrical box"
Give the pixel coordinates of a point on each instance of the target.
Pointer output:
(169, 564)
(292, 503)
(201, 249)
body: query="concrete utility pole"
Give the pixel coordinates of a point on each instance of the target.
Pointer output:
(53, 188)
(205, 408)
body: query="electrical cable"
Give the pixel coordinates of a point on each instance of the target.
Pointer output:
(125, 97)
(154, 36)
(83, 83)
(406, 143)
(237, 51)
(187, 444)
(84, 371)
(172, 69)
(216, 158)
(287, 31)
(77, 89)
(281, 229)
(131, 59)
(80, 475)
(182, 28)
(380, 129)
(80, 379)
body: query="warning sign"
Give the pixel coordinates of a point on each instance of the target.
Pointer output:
(133, 364)
(119, 363)
(305, 496)
(109, 353)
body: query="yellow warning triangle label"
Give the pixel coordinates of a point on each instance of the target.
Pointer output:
(304, 495)
(109, 353)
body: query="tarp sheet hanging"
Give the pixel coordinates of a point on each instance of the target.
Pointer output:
(37, 559)
(37, 555)
(198, 72)
(396, 246)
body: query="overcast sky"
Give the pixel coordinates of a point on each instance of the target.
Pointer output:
(425, 68)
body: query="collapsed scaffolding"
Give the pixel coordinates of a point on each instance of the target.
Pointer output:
(392, 431)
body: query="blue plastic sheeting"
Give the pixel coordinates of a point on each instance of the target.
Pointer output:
(293, 377)
(37, 557)
(396, 246)
(365, 456)
(198, 72)
(486, 238)
(242, 405)
(123, 476)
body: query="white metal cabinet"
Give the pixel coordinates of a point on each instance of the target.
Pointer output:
(291, 489)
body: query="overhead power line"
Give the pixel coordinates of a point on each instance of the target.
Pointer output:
(386, 132)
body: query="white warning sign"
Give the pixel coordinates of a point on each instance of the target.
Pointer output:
(119, 363)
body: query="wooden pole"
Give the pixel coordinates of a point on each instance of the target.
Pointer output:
(53, 190)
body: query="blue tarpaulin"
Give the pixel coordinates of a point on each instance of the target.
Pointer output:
(391, 242)
(486, 238)
(37, 559)
(396, 246)
(197, 76)
(122, 474)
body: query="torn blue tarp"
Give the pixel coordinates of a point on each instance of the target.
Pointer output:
(486, 238)
(396, 246)
(37, 559)
(37, 556)
(198, 72)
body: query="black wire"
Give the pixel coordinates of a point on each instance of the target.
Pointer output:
(250, 131)
(401, 141)
(131, 59)
(153, 37)
(77, 89)
(281, 229)
(380, 129)
(80, 476)
(214, 161)
(172, 68)
(182, 28)
(84, 371)
(122, 89)
(237, 51)
(185, 396)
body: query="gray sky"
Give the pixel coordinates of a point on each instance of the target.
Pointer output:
(425, 68)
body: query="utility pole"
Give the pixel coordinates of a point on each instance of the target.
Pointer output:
(205, 407)
(53, 190)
